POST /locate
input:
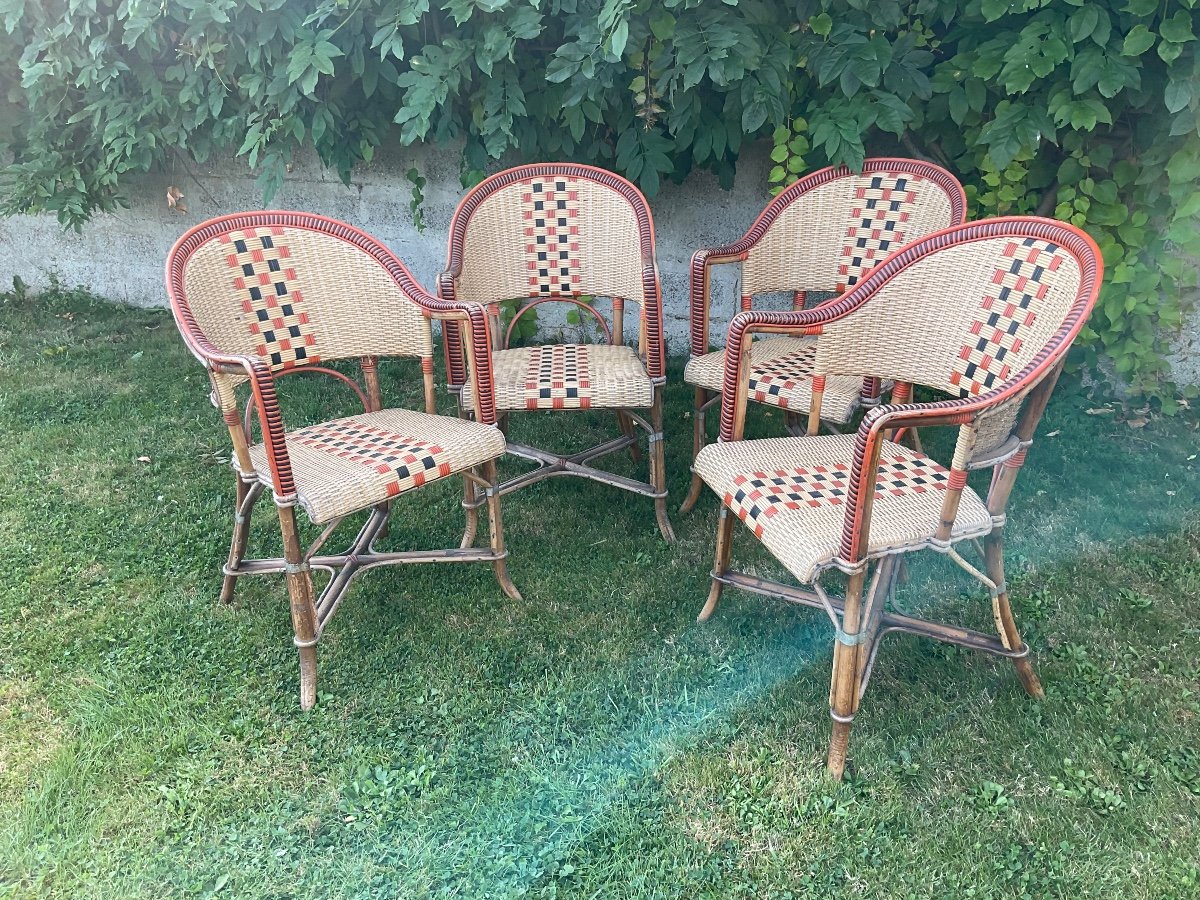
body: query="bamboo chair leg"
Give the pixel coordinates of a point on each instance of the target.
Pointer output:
(720, 563)
(844, 684)
(237, 546)
(472, 512)
(626, 425)
(1006, 624)
(698, 436)
(304, 610)
(386, 509)
(658, 467)
(496, 532)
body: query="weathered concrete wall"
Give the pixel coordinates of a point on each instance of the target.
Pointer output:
(121, 256)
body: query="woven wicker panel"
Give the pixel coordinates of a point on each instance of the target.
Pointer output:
(571, 376)
(781, 375)
(292, 296)
(791, 493)
(845, 228)
(551, 236)
(352, 463)
(962, 320)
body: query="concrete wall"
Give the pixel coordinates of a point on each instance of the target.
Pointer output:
(121, 256)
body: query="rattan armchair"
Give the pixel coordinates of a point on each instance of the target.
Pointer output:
(564, 233)
(984, 312)
(822, 234)
(260, 296)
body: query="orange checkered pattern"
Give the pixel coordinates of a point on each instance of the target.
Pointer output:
(558, 378)
(757, 496)
(775, 378)
(881, 213)
(408, 460)
(551, 214)
(271, 299)
(1011, 306)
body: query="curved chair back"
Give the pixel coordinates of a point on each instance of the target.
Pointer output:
(847, 224)
(552, 230)
(290, 290)
(984, 311)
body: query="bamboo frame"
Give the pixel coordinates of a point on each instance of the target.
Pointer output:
(861, 619)
(312, 611)
(631, 421)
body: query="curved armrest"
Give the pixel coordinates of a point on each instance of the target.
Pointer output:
(698, 279)
(455, 314)
(883, 420)
(652, 312)
(270, 418)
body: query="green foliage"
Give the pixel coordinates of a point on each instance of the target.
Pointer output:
(1089, 111)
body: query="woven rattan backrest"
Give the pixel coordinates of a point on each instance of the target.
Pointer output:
(552, 231)
(963, 319)
(847, 223)
(292, 289)
(968, 312)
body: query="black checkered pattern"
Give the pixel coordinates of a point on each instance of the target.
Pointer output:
(881, 212)
(273, 305)
(551, 212)
(774, 380)
(558, 378)
(986, 361)
(405, 461)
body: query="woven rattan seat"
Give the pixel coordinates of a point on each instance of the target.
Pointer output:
(347, 464)
(781, 375)
(571, 376)
(824, 233)
(791, 493)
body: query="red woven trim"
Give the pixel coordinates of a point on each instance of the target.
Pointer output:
(456, 372)
(958, 479)
(872, 388)
(701, 259)
(1017, 459)
(964, 410)
(652, 292)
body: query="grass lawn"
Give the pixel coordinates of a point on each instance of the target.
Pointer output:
(592, 740)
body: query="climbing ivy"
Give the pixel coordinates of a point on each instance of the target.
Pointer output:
(1087, 111)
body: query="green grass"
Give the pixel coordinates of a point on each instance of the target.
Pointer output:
(590, 741)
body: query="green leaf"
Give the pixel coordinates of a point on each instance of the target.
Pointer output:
(1083, 22)
(821, 24)
(1177, 95)
(1138, 41)
(1177, 29)
(1142, 7)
